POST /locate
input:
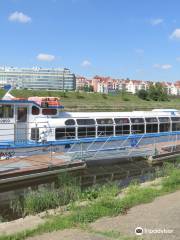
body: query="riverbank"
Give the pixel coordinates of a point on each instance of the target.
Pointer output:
(108, 201)
(82, 101)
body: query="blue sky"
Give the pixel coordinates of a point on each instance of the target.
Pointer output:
(138, 39)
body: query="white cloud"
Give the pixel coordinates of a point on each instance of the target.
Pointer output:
(162, 66)
(175, 34)
(19, 17)
(45, 57)
(156, 21)
(86, 63)
(166, 66)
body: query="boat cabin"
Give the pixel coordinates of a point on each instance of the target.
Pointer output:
(17, 114)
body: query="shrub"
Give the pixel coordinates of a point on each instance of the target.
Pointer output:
(105, 96)
(142, 94)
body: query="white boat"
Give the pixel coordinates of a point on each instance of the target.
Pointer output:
(41, 121)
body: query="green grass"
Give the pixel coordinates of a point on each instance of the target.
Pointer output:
(67, 189)
(82, 101)
(107, 204)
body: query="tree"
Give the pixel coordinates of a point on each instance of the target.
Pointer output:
(143, 94)
(88, 88)
(153, 92)
(157, 92)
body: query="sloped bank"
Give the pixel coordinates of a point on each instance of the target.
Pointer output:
(104, 201)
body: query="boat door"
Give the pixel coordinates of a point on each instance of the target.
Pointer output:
(21, 124)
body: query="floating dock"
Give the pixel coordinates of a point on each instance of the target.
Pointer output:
(16, 170)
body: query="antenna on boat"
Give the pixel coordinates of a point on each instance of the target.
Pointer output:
(7, 95)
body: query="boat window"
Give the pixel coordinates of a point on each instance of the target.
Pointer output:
(35, 110)
(122, 130)
(152, 128)
(60, 133)
(70, 132)
(104, 121)
(65, 133)
(175, 119)
(35, 134)
(49, 111)
(6, 111)
(176, 126)
(164, 127)
(105, 131)
(151, 120)
(137, 120)
(22, 114)
(70, 122)
(121, 120)
(175, 123)
(85, 121)
(151, 125)
(86, 132)
(164, 119)
(137, 128)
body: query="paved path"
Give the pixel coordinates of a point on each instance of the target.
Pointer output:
(162, 213)
(69, 234)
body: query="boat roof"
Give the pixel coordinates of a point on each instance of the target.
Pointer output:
(25, 101)
(138, 114)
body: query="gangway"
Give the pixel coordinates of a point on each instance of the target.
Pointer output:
(109, 149)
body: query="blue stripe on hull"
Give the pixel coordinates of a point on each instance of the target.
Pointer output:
(29, 144)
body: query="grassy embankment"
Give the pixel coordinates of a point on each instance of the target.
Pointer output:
(81, 101)
(99, 202)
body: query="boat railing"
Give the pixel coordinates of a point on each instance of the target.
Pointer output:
(17, 133)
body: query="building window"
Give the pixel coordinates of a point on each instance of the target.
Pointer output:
(35, 110)
(6, 111)
(49, 111)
